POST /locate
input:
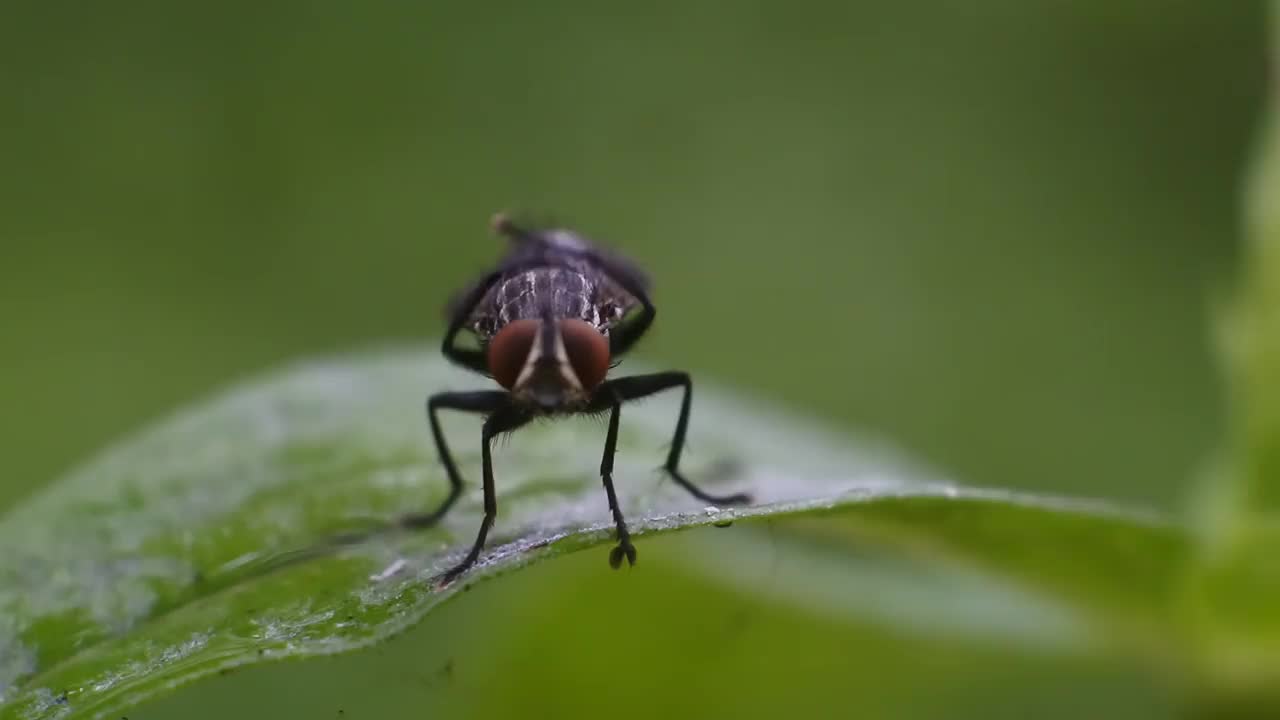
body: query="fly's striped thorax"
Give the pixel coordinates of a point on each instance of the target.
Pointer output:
(569, 292)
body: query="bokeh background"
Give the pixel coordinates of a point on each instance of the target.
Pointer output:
(991, 232)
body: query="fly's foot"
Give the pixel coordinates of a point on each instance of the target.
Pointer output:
(624, 548)
(734, 499)
(694, 490)
(448, 576)
(444, 579)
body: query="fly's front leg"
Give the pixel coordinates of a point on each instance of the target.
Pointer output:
(638, 386)
(504, 420)
(624, 548)
(484, 402)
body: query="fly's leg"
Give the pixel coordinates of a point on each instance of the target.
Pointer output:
(488, 401)
(638, 386)
(504, 420)
(624, 548)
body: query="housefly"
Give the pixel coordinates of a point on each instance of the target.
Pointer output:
(550, 321)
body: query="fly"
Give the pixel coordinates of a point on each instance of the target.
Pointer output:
(551, 319)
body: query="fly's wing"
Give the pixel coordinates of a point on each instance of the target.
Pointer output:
(623, 271)
(460, 302)
(462, 305)
(549, 245)
(457, 303)
(568, 245)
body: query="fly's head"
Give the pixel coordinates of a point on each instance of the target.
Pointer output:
(550, 317)
(549, 364)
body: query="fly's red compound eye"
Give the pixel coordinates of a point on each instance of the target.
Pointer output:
(509, 349)
(588, 351)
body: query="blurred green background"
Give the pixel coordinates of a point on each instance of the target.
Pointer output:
(990, 232)
(987, 231)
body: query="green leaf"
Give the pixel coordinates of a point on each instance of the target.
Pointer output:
(1232, 589)
(200, 544)
(1250, 336)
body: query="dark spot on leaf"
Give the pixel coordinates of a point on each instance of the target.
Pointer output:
(61, 699)
(736, 624)
(442, 674)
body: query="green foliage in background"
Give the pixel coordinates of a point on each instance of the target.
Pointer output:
(986, 231)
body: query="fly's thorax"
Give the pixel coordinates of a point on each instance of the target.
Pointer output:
(568, 291)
